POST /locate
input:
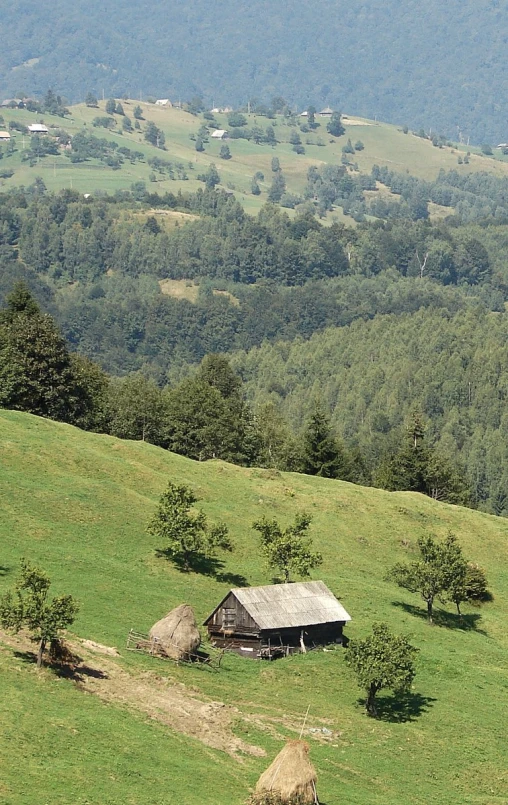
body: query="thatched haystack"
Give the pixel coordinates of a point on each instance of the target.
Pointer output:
(177, 633)
(291, 778)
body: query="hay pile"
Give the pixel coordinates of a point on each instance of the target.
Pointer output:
(177, 633)
(291, 777)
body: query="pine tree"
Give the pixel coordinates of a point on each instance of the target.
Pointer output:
(36, 373)
(322, 453)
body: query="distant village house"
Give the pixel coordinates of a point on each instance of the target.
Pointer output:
(38, 128)
(327, 112)
(11, 103)
(164, 102)
(277, 619)
(219, 134)
(4, 135)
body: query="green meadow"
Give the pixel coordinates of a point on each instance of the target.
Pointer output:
(78, 503)
(385, 145)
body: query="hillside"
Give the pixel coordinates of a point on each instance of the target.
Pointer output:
(431, 65)
(78, 503)
(385, 145)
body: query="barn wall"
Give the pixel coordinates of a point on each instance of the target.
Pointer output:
(231, 615)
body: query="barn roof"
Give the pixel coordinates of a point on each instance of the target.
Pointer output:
(279, 606)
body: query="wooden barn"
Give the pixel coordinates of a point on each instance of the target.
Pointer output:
(277, 620)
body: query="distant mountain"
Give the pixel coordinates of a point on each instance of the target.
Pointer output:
(433, 65)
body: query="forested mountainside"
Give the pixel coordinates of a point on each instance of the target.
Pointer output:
(123, 287)
(452, 368)
(432, 65)
(379, 321)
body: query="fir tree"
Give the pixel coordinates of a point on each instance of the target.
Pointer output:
(36, 373)
(322, 453)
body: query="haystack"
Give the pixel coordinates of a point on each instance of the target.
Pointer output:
(291, 776)
(177, 633)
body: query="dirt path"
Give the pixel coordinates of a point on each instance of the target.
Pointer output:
(170, 703)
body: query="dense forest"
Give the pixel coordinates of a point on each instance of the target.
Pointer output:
(452, 368)
(443, 65)
(374, 323)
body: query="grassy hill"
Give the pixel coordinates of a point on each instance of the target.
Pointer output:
(385, 145)
(77, 504)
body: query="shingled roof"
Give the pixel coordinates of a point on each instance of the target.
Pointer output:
(279, 606)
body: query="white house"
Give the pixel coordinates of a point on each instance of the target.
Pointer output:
(4, 135)
(163, 102)
(38, 128)
(219, 134)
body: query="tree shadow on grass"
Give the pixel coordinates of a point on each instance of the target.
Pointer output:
(450, 620)
(4, 570)
(73, 671)
(401, 708)
(206, 566)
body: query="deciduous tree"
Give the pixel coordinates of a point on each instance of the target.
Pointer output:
(185, 531)
(29, 606)
(382, 660)
(440, 569)
(288, 550)
(469, 587)
(334, 125)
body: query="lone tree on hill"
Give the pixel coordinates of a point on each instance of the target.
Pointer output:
(29, 606)
(382, 660)
(334, 125)
(439, 573)
(278, 186)
(189, 538)
(288, 550)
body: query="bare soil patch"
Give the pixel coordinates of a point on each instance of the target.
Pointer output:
(170, 703)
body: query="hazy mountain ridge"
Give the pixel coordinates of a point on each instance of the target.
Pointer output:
(443, 67)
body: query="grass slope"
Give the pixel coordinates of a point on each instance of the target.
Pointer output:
(78, 503)
(385, 144)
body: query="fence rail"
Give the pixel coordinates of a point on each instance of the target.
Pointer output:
(137, 641)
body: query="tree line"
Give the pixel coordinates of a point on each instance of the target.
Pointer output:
(203, 416)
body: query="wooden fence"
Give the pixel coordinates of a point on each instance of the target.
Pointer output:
(137, 641)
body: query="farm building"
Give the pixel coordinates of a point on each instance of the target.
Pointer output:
(11, 103)
(327, 112)
(219, 134)
(4, 135)
(277, 620)
(38, 128)
(163, 102)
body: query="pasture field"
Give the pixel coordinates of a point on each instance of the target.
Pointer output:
(385, 145)
(78, 503)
